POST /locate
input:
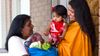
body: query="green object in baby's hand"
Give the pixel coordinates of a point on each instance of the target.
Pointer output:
(46, 46)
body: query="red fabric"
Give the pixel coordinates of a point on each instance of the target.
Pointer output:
(58, 26)
(56, 30)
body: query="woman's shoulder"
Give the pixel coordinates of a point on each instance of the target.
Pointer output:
(74, 24)
(15, 36)
(15, 39)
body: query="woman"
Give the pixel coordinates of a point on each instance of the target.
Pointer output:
(20, 29)
(80, 36)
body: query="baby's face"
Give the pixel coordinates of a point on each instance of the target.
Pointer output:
(56, 17)
(36, 37)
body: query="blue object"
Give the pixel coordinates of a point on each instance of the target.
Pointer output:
(40, 52)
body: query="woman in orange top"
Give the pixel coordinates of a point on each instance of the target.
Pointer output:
(80, 36)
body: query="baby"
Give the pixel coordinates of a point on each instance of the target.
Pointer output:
(57, 28)
(36, 37)
(35, 40)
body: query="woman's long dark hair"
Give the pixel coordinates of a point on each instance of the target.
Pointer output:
(83, 17)
(16, 27)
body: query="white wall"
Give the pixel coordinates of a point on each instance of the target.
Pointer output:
(15, 8)
(64, 2)
(3, 24)
(20, 7)
(25, 7)
(0, 27)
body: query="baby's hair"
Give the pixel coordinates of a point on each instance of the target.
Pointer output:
(60, 10)
(36, 37)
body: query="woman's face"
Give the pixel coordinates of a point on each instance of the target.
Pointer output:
(71, 13)
(27, 30)
(56, 17)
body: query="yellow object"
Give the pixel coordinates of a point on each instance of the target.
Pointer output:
(75, 42)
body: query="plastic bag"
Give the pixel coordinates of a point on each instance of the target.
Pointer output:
(40, 52)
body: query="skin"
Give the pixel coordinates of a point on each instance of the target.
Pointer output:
(56, 17)
(27, 30)
(71, 13)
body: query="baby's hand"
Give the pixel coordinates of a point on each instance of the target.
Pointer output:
(46, 34)
(61, 37)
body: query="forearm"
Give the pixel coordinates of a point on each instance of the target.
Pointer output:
(47, 30)
(25, 55)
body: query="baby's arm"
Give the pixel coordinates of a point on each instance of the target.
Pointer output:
(46, 32)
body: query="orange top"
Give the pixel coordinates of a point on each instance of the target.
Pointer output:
(75, 42)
